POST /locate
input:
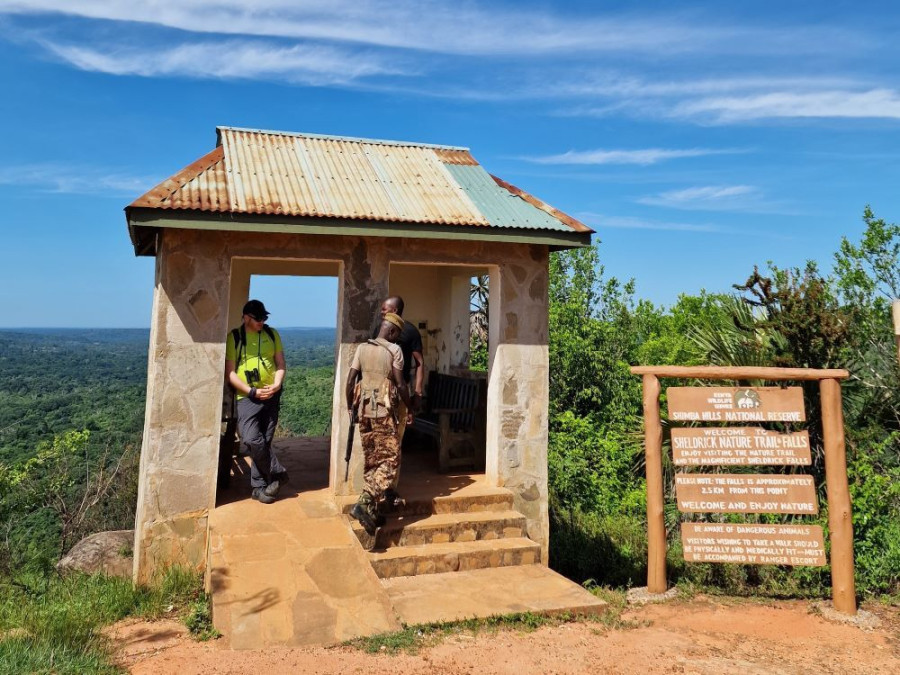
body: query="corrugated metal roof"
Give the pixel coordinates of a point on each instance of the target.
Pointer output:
(306, 176)
(199, 186)
(499, 206)
(292, 174)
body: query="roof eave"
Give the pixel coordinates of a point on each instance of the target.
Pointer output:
(144, 223)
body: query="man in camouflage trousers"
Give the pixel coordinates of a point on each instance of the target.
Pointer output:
(377, 393)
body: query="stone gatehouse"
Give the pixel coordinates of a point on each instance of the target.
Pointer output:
(382, 217)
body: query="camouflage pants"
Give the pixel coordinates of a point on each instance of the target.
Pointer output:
(381, 447)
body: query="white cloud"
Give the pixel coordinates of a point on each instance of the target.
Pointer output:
(611, 84)
(602, 222)
(874, 103)
(708, 193)
(225, 60)
(452, 28)
(643, 157)
(727, 100)
(709, 198)
(75, 179)
(629, 223)
(346, 41)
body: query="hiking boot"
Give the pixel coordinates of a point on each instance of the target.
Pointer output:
(391, 503)
(273, 487)
(365, 519)
(259, 494)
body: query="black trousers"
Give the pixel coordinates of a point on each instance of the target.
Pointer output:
(256, 424)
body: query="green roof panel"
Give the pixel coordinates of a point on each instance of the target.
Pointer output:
(500, 207)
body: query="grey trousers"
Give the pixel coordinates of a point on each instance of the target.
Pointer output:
(256, 425)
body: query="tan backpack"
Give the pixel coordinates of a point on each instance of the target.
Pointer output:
(375, 393)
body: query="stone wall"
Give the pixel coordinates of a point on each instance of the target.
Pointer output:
(187, 356)
(184, 398)
(518, 389)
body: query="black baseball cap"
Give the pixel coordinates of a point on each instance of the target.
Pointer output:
(256, 309)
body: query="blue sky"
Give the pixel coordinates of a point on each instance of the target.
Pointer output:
(698, 139)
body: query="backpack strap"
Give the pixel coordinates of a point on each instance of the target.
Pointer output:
(239, 335)
(240, 338)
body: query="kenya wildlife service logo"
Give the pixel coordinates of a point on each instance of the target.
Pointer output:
(747, 399)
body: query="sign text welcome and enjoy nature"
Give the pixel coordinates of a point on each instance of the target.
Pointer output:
(698, 450)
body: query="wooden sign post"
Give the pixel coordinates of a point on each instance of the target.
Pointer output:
(748, 543)
(896, 312)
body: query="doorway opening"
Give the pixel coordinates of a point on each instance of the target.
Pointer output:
(301, 298)
(448, 434)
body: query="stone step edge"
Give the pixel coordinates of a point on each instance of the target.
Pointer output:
(416, 521)
(445, 528)
(439, 520)
(454, 556)
(483, 500)
(452, 548)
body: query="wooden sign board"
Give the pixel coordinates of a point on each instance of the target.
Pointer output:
(736, 404)
(740, 446)
(753, 544)
(745, 493)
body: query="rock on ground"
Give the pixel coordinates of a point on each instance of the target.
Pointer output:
(106, 552)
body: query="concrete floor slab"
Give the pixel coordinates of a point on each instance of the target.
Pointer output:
(291, 573)
(454, 596)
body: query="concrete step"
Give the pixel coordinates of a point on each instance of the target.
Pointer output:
(465, 501)
(441, 528)
(487, 592)
(400, 561)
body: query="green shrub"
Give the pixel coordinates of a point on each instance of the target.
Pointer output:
(592, 468)
(875, 494)
(609, 550)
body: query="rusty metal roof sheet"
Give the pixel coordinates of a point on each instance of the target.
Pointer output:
(199, 186)
(293, 174)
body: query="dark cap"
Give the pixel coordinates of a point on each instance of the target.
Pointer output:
(257, 310)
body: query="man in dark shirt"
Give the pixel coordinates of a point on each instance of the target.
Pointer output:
(410, 342)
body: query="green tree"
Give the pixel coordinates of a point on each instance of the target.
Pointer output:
(591, 339)
(868, 277)
(871, 268)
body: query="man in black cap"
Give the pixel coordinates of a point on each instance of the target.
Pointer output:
(255, 368)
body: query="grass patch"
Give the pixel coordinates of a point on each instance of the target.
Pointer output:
(52, 624)
(24, 655)
(411, 639)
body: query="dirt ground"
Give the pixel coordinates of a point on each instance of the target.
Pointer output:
(703, 635)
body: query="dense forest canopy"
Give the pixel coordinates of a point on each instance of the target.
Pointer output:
(72, 401)
(72, 404)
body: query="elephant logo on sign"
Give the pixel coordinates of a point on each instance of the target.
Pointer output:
(747, 398)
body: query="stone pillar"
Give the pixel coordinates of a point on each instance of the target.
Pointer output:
(177, 485)
(239, 292)
(362, 285)
(519, 389)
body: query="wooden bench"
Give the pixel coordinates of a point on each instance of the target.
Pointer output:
(454, 415)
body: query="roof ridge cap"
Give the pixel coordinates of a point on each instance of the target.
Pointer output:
(351, 139)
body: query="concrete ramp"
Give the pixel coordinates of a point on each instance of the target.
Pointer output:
(294, 572)
(480, 593)
(291, 573)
